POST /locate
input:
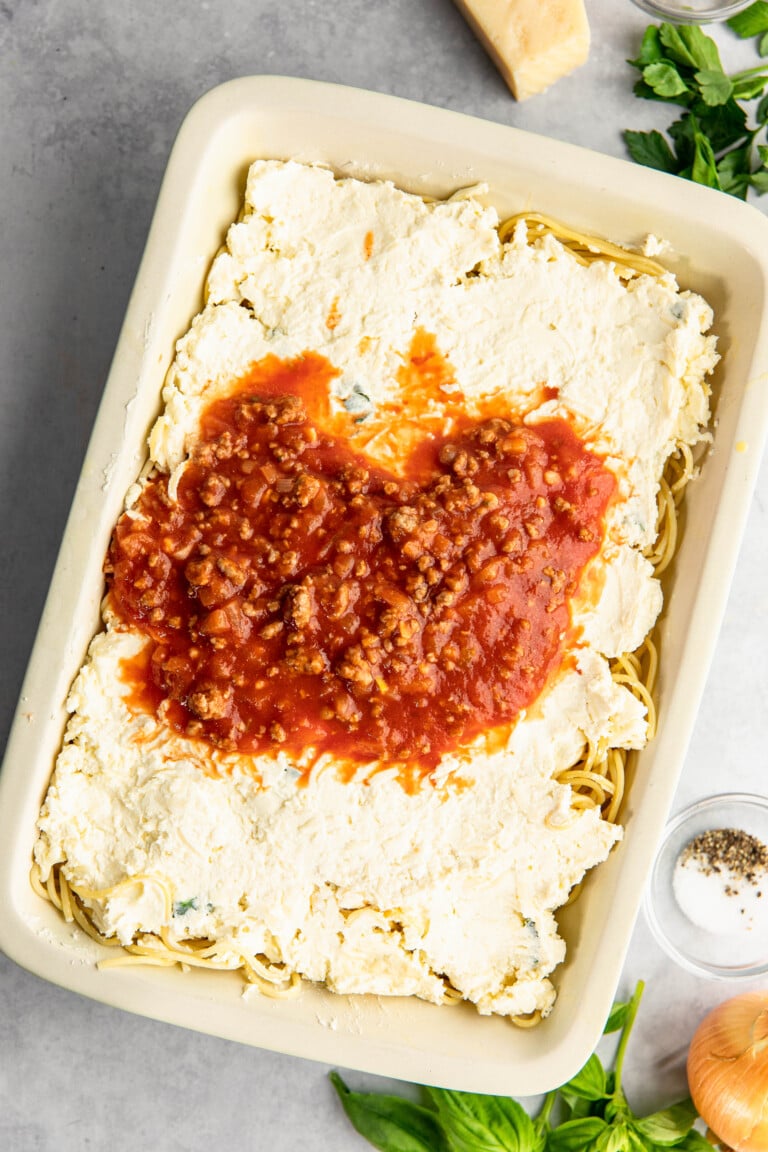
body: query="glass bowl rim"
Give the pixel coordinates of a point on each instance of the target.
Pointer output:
(698, 967)
(676, 14)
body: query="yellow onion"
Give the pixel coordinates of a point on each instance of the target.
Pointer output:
(728, 1072)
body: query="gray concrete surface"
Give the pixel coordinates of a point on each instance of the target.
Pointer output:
(91, 96)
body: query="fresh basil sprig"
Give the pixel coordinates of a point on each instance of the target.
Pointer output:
(391, 1123)
(592, 1112)
(712, 142)
(475, 1123)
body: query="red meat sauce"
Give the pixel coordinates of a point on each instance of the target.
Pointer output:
(297, 596)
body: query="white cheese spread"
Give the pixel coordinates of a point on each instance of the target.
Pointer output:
(361, 884)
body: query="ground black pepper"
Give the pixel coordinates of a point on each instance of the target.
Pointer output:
(731, 850)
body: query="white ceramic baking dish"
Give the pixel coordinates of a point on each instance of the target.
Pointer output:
(721, 250)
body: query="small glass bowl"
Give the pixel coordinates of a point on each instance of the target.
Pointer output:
(720, 956)
(692, 11)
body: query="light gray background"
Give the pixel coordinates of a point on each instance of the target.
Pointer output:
(92, 94)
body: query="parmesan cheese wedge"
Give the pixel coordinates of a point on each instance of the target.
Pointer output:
(532, 42)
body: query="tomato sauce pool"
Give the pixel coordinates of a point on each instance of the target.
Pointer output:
(297, 596)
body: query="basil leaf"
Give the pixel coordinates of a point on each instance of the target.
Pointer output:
(618, 1014)
(617, 1108)
(761, 113)
(688, 45)
(652, 150)
(762, 47)
(589, 1083)
(751, 22)
(575, 1135)
(390, 1123)
(759, 181)
(638, 1144)
(714, 86)
(475, 1123)
(616, 1139)
(576, 1108)
(670, 1125)
(665, 80)
(693, 1142)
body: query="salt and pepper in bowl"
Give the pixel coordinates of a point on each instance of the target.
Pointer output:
(707, 898)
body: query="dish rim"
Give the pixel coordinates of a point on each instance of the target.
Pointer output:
(533, 1064)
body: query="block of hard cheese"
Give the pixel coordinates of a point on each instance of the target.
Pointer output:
(532, 42)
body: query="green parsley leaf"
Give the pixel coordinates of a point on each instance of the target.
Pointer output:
(652, 150)
(751, 22)
(704, 169)
(670, 36)
(712, 141)
(686, 44)
(749, 87)
(670, 1125)
(734, 171)
(645, 92)
(390, 1123)
(650, 48)
(665, 80)
(725, 124)
(714, 86)
(642, 90)
(682, 135)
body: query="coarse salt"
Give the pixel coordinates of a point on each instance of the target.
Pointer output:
(720, 882)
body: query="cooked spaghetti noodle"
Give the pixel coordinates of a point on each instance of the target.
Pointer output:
(583, 246)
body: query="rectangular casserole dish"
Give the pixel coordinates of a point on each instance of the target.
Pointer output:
(719, 247)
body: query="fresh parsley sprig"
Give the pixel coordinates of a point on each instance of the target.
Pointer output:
(753, 21)
(712, 142)
(592, 1111)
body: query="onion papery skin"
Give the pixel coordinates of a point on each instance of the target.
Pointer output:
(728, 1071)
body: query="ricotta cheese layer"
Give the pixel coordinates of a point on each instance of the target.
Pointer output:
(350, 879)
